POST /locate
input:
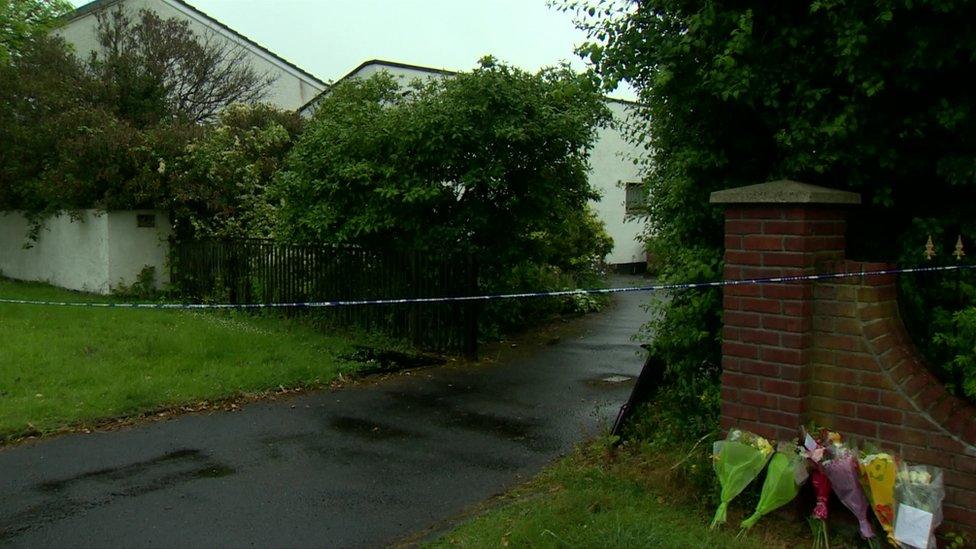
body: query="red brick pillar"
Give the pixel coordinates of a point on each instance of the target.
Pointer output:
(774, 229)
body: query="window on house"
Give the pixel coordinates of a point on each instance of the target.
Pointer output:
(145, 221)
(636, 201)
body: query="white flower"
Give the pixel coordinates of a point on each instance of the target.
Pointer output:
(920, 477)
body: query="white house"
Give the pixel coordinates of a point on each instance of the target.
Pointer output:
(613, 173)
(292, 87)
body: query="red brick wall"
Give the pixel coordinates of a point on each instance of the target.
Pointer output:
(833, 351)
(767, 336)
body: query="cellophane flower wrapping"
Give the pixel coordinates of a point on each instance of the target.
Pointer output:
(818, 519)
(815, 453)
(841, 467)
(737, 460)
(787, 471)
(921, 487)
(878, 471)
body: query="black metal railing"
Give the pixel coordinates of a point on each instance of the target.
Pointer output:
(265, 271)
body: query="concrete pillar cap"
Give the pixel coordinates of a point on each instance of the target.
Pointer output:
(784, 191)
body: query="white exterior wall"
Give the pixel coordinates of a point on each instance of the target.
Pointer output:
(132, 248)
(289, 91)
(611, 168)
(611, 161)
(95, 253)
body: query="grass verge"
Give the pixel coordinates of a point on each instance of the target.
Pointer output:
(66, 366)
(630, 498)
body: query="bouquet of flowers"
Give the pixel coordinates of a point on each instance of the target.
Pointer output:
(878, 480)
(841, 467)
(787, 471)
(918, 493)
(814, 451)
(737, 461)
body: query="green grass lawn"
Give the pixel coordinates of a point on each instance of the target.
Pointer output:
(65, 366)
(634, 500)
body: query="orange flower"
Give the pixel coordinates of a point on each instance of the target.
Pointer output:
(885, 513)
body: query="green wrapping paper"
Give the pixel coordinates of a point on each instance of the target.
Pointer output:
(785, 474)
(737, 461)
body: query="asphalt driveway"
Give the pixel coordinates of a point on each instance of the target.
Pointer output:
(363, 466)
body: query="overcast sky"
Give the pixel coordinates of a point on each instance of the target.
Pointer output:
(329, 38)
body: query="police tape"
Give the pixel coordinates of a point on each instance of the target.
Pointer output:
(497, 296)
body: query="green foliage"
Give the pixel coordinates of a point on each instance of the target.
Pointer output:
(154, 69)
(122, 130)
(507, 316)
(956, 540)
(63, 149)
(24, 22)
(938, 310)
(857, 95)
(493, 162)
(223, 179)
(673, 422)
(959, 340)
(40, 95)
(144, 286)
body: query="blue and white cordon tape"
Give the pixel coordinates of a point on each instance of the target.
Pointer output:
(492, 297)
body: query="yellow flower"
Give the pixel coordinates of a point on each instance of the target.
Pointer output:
(764, 446)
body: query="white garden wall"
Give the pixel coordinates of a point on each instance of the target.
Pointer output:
(96, 252)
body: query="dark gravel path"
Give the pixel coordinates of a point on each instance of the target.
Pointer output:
(363, 466)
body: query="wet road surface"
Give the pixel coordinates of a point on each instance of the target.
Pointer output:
(363, 466)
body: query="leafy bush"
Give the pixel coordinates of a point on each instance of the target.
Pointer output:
(144, 286)
(492, 162)
(152, 69)
(223, 179)
(960, 342)
(24, 22)
(110, 132)
(61, 150)
(857, 95)
(500, 317)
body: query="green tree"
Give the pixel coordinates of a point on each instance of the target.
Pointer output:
(40, 93)
(494, 161)
(112, 131)
(155, 69)
(23, 22)
(860, 95)
(62, 149)
(223, 179)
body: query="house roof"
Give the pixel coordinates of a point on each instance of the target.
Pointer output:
(419, 68)
(365, 64)
(97, 5)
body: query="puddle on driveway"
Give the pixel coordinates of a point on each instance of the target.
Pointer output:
(608, 380)
(616, 379)
(364, 428)
(58, 499)
(216, 471)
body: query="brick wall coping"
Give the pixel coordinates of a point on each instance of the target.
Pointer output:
(784, 191)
